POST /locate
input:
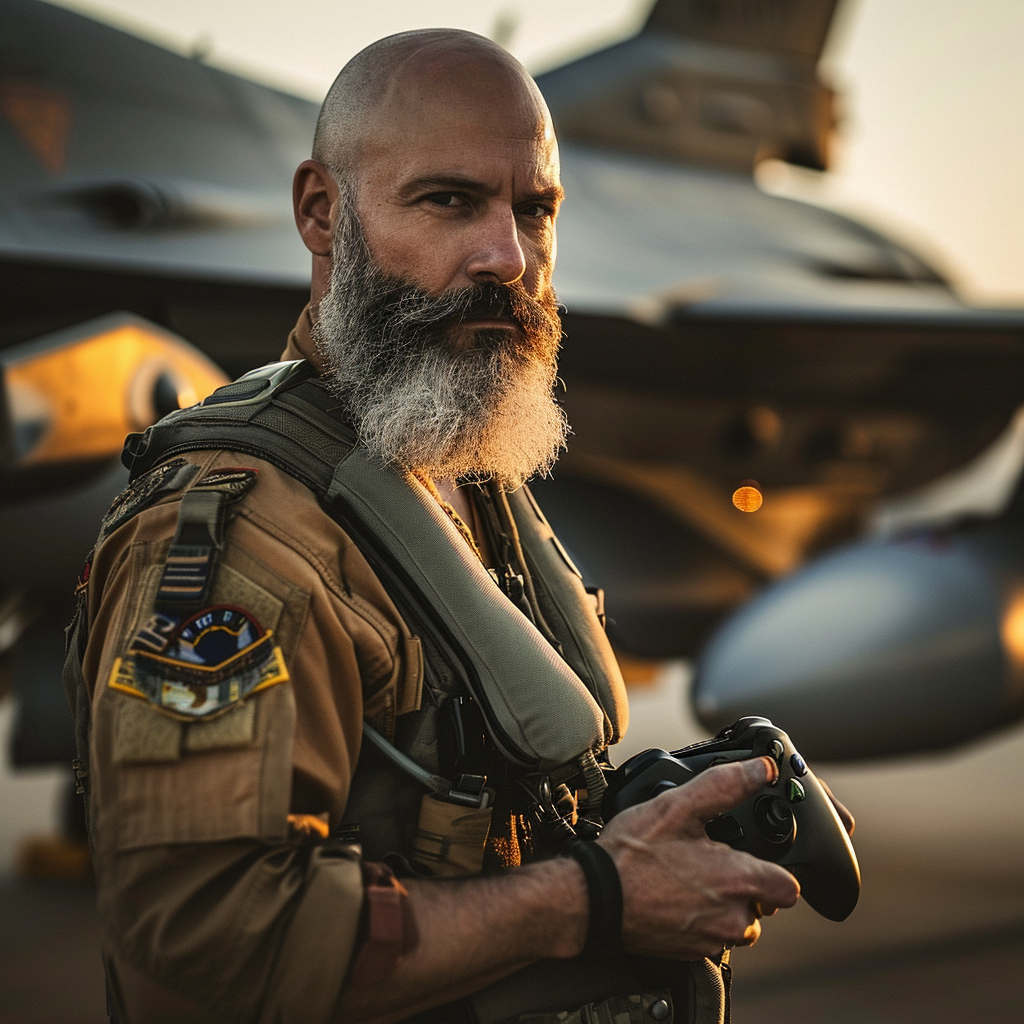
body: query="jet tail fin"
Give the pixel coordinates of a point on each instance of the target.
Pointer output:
(792, 28)
(717, 83)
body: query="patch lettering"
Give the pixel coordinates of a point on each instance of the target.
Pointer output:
(200, 667)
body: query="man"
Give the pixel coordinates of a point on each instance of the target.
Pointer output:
(233, 637)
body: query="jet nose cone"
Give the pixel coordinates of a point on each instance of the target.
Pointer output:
(880, 648)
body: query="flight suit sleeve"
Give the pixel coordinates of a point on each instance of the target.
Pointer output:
(220, 897)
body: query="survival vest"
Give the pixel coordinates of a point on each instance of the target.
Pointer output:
(527, 646)
(547, 700)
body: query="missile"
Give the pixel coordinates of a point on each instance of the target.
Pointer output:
(883, 647)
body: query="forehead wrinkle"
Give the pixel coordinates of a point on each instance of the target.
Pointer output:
(465, 159)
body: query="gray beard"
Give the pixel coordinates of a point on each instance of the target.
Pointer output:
(484, 411)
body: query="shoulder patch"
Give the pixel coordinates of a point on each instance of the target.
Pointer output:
(199, 667)
(234, 482)
(146, 489)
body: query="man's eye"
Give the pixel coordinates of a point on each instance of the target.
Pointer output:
(536, 210)
(449, 200)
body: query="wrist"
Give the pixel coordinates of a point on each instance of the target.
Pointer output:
(564, 931)
(604, 896)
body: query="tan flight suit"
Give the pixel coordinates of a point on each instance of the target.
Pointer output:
(216, 902)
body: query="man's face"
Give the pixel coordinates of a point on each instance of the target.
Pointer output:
(458, 184)
(439, 329)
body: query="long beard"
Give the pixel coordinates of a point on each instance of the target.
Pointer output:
(483, 410)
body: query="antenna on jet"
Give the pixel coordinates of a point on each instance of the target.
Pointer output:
(201, 48)
(506, 25)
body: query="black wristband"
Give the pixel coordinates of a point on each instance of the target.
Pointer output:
(604, 897)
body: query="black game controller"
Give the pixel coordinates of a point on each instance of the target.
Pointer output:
(791, 822)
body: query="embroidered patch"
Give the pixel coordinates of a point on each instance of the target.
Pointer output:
(198, 668)
(233, 481)
(141, 492)
(83, 576)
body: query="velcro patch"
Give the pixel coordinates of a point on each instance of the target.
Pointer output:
(234, 481)
(144, 491)
(200, 667)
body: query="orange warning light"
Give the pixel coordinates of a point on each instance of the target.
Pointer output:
(747, 499)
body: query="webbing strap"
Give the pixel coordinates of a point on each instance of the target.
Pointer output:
(188, 570)
(285, 415)
(293, 425)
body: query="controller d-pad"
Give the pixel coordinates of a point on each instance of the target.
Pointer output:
(774, 819)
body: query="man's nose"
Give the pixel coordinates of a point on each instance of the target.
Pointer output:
(497, 256)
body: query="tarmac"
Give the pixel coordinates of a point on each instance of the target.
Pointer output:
(938, 936)
(50, 973)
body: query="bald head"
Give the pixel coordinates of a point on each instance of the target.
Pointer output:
(386, 84)
(429, 207)
(441, 146)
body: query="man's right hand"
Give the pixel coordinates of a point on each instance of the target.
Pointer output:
(684, 895)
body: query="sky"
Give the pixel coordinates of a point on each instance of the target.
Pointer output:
(932, 91)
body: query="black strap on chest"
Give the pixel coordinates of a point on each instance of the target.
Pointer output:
(542, 710)
(300, 430)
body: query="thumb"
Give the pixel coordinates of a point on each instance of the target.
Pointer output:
(726, 786)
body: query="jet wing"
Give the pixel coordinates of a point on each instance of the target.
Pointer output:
(119, 154)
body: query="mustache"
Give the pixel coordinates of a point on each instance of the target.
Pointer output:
(407, 307)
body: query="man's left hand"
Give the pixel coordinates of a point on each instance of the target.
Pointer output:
(844, 815)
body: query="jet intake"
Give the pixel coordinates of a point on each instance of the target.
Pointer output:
(71, 397)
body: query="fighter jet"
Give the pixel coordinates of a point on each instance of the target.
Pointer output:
(724, 347)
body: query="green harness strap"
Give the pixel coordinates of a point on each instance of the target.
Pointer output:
(544, 707)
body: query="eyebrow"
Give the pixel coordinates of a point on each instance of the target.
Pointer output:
(459, 182)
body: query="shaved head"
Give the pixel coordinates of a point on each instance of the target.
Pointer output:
(389, 73)
(429, 207)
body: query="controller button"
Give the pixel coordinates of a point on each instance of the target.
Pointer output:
(659, 1009)
(799, 764)
(724, 830)
(795, 791)
(774, 819)
(776, 750)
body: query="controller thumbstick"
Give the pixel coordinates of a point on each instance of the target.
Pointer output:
(774, 819)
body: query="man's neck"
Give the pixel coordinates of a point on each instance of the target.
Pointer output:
(300, 342)
(458, 498)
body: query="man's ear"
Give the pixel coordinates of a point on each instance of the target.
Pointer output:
(314, 197)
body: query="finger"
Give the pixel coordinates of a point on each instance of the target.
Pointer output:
(724, 787)
(770, 885)
(742, 932)
(762, 908)
(844, 815)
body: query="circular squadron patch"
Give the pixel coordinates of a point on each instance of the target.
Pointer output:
(201, 666)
